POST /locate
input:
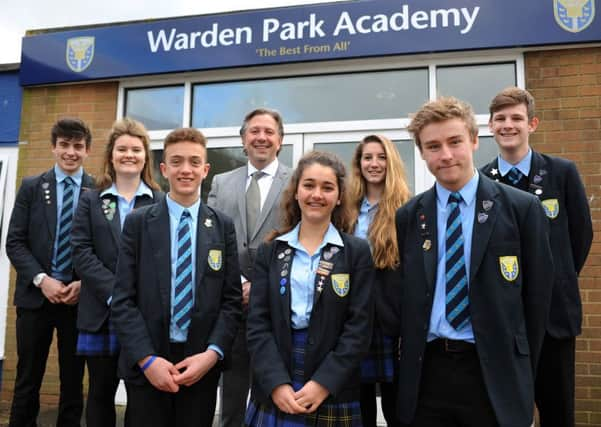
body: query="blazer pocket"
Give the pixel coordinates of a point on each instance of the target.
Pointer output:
(521, 345)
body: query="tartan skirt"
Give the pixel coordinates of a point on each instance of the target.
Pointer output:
(343, 414)
(101, 343)
(378, 364)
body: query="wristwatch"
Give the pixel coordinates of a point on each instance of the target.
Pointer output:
(37, 280)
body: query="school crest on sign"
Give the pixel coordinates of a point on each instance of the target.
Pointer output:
(340, 284)
(80, 53)
(509, 267)
(574, 15)
(551, 207)
(215, 259)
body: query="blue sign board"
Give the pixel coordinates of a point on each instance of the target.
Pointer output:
(10, 107)
(309, 33)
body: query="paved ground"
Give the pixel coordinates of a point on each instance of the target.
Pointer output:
(47, 417)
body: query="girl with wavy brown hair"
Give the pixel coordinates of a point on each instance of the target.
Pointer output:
(377, 189)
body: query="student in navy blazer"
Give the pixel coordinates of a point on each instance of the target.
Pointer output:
(45, 294)
(177, 299)
(478, 371)
(555, 181)
(311, 307)
(125, 184)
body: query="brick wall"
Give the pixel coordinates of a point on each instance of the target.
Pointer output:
(567, 87)
(94, 103)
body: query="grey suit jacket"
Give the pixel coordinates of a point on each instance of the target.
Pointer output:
(227, 195)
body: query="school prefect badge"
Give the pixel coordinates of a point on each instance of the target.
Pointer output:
(80, 53)
(509, 267)
(341, 284)
(551, 207)
(215, 259)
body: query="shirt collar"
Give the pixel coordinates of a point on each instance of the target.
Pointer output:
(332, 237)
(270, 169)
(175, 209)
(143, 190)
(61, 175)
(523, 165)
(468, 192)
(366, 206)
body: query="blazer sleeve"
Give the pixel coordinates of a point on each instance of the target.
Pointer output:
(18, 249)
(92, 271)
(579, 217)
(127, 319)
(352, 345)
(269, 370)
(230, 312)
(212, 200)
(388, 291)
(538, 275)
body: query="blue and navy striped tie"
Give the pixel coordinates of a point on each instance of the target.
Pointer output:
(183, 299)
(514, 175)
(457, 301)
(62, 262)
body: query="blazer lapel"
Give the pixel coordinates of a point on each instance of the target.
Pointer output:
(485, 216)
(492, 170)
(240, 182)
(160, 237)
(283, 261)
(279, 180)
(428, 230)
(204, 226)
(539, 173)
(109, 208)
(48, 192)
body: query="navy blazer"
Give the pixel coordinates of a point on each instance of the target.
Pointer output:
(95, 238)
(339, 331)
(508, 316)
(31, 234)
(571, 232)
(141, 305)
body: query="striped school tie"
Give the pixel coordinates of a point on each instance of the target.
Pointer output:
(514, 176)
(62, 262)
(457, 301)
(183, 299)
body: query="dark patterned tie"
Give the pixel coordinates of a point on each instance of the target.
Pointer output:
(514, 176)
(62, 262)
(183, 299)
(253, 203)
(457, 302)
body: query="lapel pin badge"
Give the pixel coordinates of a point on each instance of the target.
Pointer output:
(482, 217)
(542, 172)
(494, 171)
(538, 191)
(487, 204)
(208, 223)
(537, 179)
(427, 245)
(45, 185)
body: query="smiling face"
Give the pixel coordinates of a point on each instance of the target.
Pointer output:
(373, 163)
(511, 128)
(261, 140)
(128, 156)
(185, 166)
(70, 154)
(317, 193)
(447, 148)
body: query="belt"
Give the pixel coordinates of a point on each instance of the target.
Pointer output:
(451, 346)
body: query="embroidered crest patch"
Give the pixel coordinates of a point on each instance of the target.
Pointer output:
(551, 207)
(341, 284)
(215, 259)
(509, 267)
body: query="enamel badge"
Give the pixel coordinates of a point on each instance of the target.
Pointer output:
(215, 259)
(341, 284)
(551, 207)
(509, 267)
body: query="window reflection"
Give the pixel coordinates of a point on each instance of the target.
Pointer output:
(157, 108)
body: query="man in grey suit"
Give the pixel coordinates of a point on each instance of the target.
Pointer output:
(254, 215)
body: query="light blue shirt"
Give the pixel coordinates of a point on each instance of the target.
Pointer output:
(123, 205)
(366, 216)
(302, 274)
(175, 213)
(523, 165)
(60, 189)
(439, 327)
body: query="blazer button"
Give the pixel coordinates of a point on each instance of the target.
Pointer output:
(310, 341)
(244, 244)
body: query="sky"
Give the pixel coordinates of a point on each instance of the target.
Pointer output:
(18, 16)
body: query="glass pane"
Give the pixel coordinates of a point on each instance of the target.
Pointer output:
(158, 108)
(361, 96)
(487, 151)
(476, 84)
(345, 151)
(221, 160)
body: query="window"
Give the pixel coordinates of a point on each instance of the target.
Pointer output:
(158, 108)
